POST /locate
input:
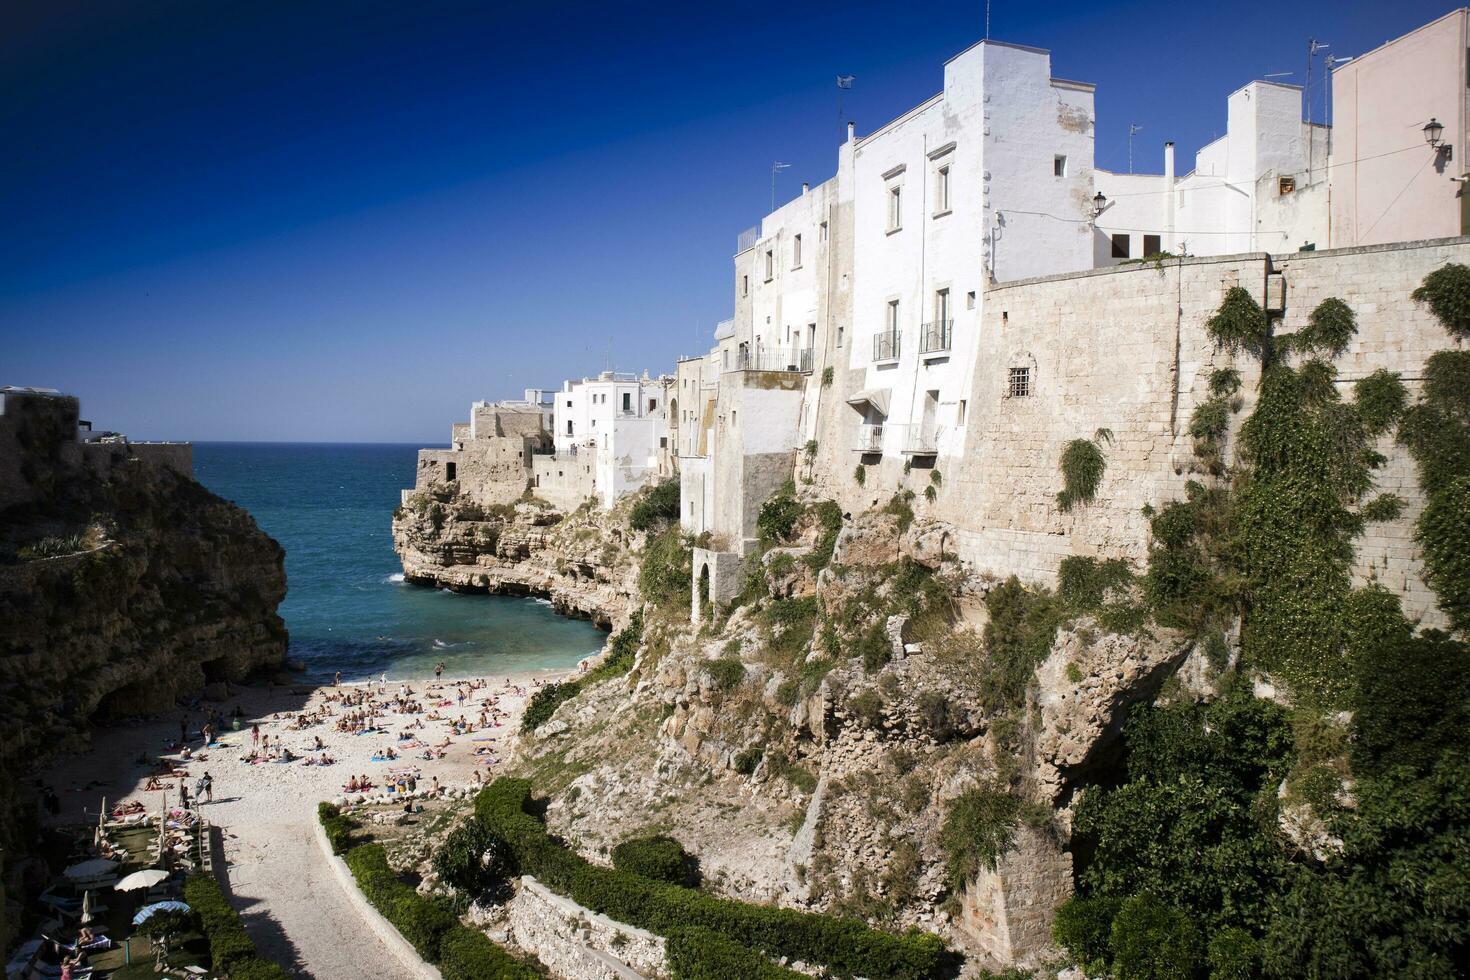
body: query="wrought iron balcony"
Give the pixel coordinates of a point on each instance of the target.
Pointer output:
(869, 439)
(922, 439)
(886, 345)
(936, 337)
(794, 359)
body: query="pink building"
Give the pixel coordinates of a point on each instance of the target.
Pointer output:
(1390, 182)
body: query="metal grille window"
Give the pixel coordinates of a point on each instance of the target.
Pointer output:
(1020, 382)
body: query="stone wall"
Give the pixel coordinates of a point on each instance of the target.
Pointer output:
(1126, 349)
(574, 941)
(564, 480)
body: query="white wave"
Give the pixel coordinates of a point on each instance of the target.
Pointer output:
(395, 579)
(544, 602)
(441, 645)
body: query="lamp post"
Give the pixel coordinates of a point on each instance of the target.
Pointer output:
(1433, 132)
(1099, 203)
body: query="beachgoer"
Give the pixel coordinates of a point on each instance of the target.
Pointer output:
(255, 734)
(439, 670)
(183, 729)
(208, 782)
(337, 679)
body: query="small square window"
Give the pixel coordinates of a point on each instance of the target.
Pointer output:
(770, 265)
(824, 231)
(895, 208)
(839, 336)
(941, 190)
(1120, 246)
(1020, 386)
(1152, 245)
(970, 300)
(796, 252)
(1059, 165)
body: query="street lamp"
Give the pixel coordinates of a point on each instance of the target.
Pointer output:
(1099, 203)
(1433, 132)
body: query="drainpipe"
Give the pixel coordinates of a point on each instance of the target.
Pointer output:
(1172, 196)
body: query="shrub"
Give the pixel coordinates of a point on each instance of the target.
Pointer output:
(1084, 928)
(1152, 941)
(867, 708)
(474, 860)
(467, 954)
(829, 523)
(1234, 954)
(1384, 507)
(1329, 330)
(543, 704)
(1082, 581)
(1082, 467)
(1210, 420)
(660, 858)
(1411, 701)
(619, 660)
(860, 474)
(900, 507)
(746, 760)
(778, 515)
(846, 946)
(230, 947)
(726, 672)
(1018, 637)
(667, 572)
(1224, 382)
(421, 921)
(695, 953)
(826, 377)
(1446, 291)
(337, 826)
(1444, 534)
(1380, 398)
(659, 506)
(1240, 324)
(781, 766)
(980, 826)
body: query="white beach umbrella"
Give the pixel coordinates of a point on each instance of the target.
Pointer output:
(89, 869)
(141, 879)
(86, 907)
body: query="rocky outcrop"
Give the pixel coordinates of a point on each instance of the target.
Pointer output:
(124, 586)
(580, 561)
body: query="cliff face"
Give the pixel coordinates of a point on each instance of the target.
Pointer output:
(580, 560)
(162, 588)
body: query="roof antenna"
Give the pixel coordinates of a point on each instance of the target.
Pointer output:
(1133, 130)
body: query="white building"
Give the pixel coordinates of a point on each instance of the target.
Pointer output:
(1262, 187)
(620, 422)
(991, 180)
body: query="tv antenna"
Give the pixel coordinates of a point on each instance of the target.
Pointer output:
(776, 167)
(1133, 130)
(1313, 47)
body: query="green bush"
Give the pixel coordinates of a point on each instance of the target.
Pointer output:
(1234, 954)
(778, 515)
(666, 574)
(474, 860)
(1018, 637)
(659, 506)
(544, 702)
(860, 474)
(660, 858)
(695, 953)
(726, 672)
(1082, 467)
(1082, 581)
(619, 660)
(846, 946)
(828, 517)
(1444, 535)
(337, 826)
(467, 954)
(230, 947)
(421, 921)
(1152, 941)
(1380, 399)
(1084, 928)
(979, 827)
(1330, 328)
(1446, 291)
(1240, 324)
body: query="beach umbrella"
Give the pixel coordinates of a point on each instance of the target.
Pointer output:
(148, 911)
(102, 816)
(140, 879)
(86, 907)
(89, 869)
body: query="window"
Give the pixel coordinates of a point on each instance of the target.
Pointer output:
(744, 285)
(895, 207)
(1020, 382)
(1285, 185)
(770, 265)
(734, 417)
(663, 442)
(941, 305)
(970, 300)
(959, 414)
(569, 426)
(627, 401)
(1152, 245)
(653, 404)
(796, 252)
(1059, 165)
(824, 231)
(941, 190)
(1120, 246)
(569, 404)
(839, 336)
(449, 472)
(893, 316)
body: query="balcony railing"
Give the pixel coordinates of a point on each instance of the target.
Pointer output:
(936, 337)
(869, 439)
(797, 359)
(886, 345)
(922, 439)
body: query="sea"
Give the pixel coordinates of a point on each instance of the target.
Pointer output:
(347, 606)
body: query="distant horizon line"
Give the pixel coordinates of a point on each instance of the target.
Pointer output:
(303, 442)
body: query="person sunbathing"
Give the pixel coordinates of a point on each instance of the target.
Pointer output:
(352, 786)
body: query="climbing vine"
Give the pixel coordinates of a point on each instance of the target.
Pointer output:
(1082, 467)
(1446, 291)
(1240, 325)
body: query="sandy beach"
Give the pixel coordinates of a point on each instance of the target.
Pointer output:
(277, 876)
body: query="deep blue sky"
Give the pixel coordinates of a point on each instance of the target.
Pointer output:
(310, 221)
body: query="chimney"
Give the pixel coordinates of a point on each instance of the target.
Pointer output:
(1173, 199)
(805, 187)
(851, 130)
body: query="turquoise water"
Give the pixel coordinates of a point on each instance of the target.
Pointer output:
(347, 607)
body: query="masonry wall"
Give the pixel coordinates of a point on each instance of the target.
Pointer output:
(564, 480)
